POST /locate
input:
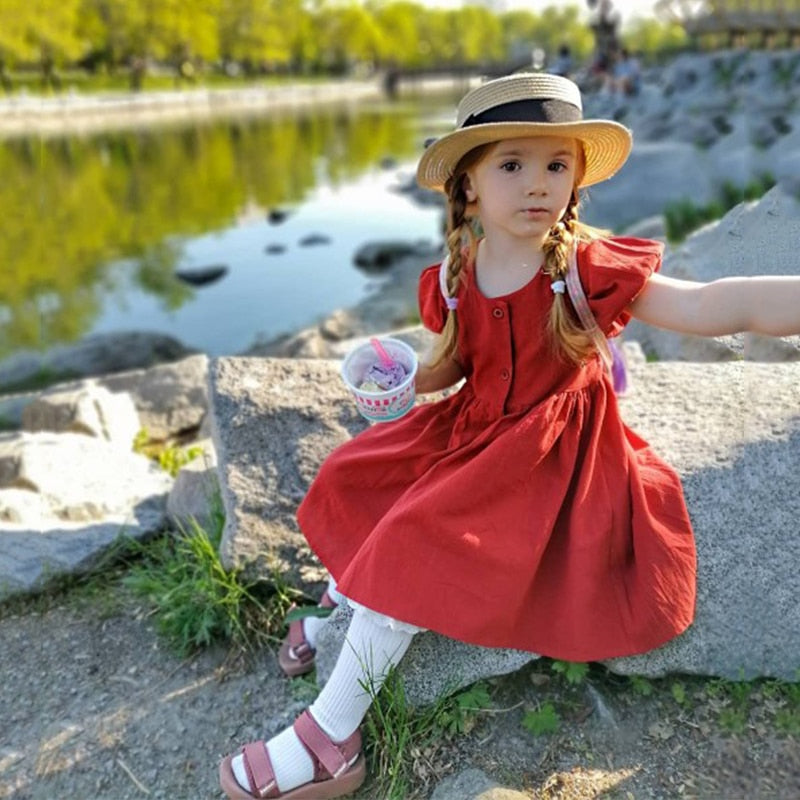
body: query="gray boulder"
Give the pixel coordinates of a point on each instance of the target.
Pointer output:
(730, 429)
(170, 398)
(756, 238)
(89, 409)
(98, 354)
(670, 170)
(65, 498)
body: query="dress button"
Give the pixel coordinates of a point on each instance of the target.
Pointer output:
(498, 312)
(505, 374)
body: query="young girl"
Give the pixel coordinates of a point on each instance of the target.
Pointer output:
(519, 512)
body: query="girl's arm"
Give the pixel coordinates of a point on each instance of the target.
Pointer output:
(433, 379)
(766, 305)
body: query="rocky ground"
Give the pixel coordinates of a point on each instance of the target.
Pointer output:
(95, 707)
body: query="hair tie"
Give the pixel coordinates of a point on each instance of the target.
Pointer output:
(452, 303)
(558, 287)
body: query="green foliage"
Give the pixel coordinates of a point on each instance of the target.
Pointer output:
(172, 459)
(641, 686)
(731, 701)
(195, 600)
(293, 36)
(678, 691)
(542, 720)
(654, 39)
(784, 703)
(301, 612)
(574, 672)
(400, 740)
(683, 217)
(169, 456)
(458, 714)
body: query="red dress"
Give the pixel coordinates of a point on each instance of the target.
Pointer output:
(520, 512)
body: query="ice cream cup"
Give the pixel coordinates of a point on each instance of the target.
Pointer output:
(381, 406)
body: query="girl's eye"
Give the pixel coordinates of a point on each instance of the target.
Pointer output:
(509, 166)
(557, 166)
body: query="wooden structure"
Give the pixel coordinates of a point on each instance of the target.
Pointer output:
(761, 23)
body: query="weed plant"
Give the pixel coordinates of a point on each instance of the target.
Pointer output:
(684, 216)
(168, 455)
(197, 602)
(401, 741)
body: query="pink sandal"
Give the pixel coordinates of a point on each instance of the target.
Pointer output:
(296, 656)
(339, 769)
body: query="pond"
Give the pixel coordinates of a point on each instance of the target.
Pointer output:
(222, 235)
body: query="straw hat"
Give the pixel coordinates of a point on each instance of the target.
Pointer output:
(526, 104)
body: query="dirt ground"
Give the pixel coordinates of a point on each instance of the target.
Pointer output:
(94, 707)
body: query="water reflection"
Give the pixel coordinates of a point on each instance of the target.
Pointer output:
(93, 230)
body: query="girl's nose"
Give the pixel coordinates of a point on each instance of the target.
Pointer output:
(537, 183)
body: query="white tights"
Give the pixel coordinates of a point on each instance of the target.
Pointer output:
(373, 644)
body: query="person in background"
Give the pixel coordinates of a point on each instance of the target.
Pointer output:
(562, 65)
(626, 74)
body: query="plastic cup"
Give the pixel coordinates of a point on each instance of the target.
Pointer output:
(381, 406)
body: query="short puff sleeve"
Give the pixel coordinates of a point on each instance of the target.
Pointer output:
(432, 307)
(613, 271)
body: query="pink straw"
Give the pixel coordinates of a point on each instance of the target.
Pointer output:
(385, 358)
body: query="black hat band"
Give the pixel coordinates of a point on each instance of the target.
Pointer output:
(553, 111)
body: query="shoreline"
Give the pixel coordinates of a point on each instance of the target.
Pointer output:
(74, 113)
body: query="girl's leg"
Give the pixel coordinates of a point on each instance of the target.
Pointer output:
(372, 646)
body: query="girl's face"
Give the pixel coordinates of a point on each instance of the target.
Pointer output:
(521, 187)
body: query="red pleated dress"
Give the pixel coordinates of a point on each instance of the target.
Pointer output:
(520, 512)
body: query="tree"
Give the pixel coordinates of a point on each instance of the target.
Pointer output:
(399, 33)
(253, 32)
(652, 38)
(34, 33)
(478, 35)
(347, 34)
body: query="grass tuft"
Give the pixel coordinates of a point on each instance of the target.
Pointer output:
(197, 602)
(401, 742)
(684, 216)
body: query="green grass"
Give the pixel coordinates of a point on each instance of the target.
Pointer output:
(195, 601)
(684, 216)
(401, 741)
(735, 709)
(170, 456)
(163, 79)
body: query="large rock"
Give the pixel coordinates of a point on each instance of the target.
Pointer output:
(669, 170)
(171, 398)
(194, 498)
(732, 431)
(755, 238)
(65, 498)
(273, 422)
(89, 409)
(97, 354)
(700, 122)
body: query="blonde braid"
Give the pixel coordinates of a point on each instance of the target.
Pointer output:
(459, 231)
(568, 336)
